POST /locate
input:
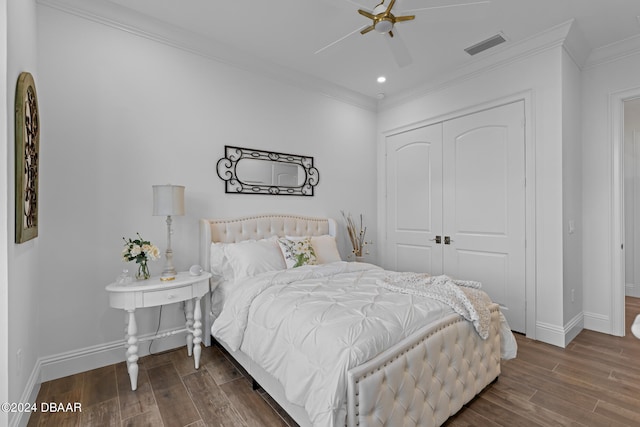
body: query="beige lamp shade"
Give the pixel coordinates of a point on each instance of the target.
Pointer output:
(168, 200)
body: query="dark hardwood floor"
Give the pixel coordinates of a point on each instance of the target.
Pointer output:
(595, 381)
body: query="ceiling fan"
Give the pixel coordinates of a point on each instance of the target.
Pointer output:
(384, 20)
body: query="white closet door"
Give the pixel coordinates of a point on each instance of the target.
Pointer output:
(414, 200)
(484, 205)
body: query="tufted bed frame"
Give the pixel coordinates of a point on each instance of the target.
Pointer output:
(421, 381)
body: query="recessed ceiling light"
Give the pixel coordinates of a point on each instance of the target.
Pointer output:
(382, 79)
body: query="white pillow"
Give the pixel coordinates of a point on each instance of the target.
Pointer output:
(219, 263)
(297, 252)
(250, 258)
(325, 248)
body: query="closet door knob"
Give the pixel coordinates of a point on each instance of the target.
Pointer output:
(447, 240)
(436, 239)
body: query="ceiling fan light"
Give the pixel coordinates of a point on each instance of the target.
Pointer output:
(384, 26)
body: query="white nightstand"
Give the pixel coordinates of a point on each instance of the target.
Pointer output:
(154, 292)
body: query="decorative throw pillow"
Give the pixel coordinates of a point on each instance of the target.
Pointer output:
(324, 247)
(297, 252)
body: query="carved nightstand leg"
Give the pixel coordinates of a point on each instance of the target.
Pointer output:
(188, 311)
(197, 333)
(132, 350)
(126, 333)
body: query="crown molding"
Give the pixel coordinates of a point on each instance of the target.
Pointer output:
(613, 52)
(127, 20)
(567, 35)
(549, 39)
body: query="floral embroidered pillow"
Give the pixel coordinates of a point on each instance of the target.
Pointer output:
(297, 252)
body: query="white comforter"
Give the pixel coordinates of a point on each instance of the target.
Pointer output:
(308, 326)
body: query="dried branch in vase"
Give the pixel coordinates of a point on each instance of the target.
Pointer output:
(356, 234)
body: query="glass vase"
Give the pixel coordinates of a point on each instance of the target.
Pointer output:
(143, 271)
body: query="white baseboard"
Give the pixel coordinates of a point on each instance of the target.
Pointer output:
(597, 322)
(560, 336)
(20, 419)
(85, 359)
(551, 334)
(573, 328)
(632, 290)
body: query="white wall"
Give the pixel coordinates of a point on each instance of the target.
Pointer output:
(4, 206)
(122, 112)
(632, 196)
(23, 260)
(538, 78)
(600, 83)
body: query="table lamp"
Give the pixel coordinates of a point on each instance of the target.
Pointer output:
(168, 200)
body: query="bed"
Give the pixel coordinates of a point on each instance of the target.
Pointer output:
(336, 344)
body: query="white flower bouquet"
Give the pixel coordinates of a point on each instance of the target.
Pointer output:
(141, 251)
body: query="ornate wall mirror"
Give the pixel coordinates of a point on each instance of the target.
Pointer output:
(250, 171)
(27, 158)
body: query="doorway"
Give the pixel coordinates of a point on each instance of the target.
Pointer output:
(631, 168)
(617, 103)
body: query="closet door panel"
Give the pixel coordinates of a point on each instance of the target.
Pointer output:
(418, 258)
(479, 181)
(489, 268)
(484, 204)
(414, 200)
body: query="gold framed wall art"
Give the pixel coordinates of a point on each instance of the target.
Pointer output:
(27, 158)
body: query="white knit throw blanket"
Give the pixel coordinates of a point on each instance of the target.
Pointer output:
(463, 296)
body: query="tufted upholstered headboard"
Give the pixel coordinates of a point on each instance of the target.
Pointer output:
(259, 227)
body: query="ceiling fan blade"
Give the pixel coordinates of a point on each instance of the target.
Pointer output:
(388, 11)
(367, 29)
(405, 18)
(341, 38)
(367, 14)
(399, 50)
(448, 5)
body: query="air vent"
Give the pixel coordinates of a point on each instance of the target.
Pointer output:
(486, 44)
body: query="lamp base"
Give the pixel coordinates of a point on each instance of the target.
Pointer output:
(167, 276)
(169, 271)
